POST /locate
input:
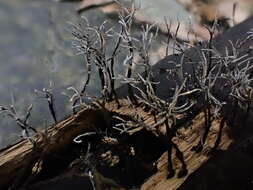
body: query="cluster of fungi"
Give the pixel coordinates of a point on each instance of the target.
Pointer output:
(154, 101)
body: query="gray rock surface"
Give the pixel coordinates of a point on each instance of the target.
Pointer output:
(35, 48)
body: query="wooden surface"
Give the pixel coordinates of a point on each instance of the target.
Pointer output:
(20, 159)
(17, 161)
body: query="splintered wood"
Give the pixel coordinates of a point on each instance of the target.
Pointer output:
(190, 138)
(21, 158)
(193, 160)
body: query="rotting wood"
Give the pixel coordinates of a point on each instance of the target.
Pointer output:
(24, 156)
(193, 160)
(13, 161)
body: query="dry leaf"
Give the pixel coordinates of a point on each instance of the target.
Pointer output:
(86, 4)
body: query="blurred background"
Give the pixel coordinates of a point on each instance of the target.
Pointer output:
(36, 46)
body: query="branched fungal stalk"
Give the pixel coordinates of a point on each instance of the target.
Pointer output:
(126, 20)
(48, 95)
(166, 113)
(91, 41)
(22, 123)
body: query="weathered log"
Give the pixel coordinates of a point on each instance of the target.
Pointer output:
(17, 161)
